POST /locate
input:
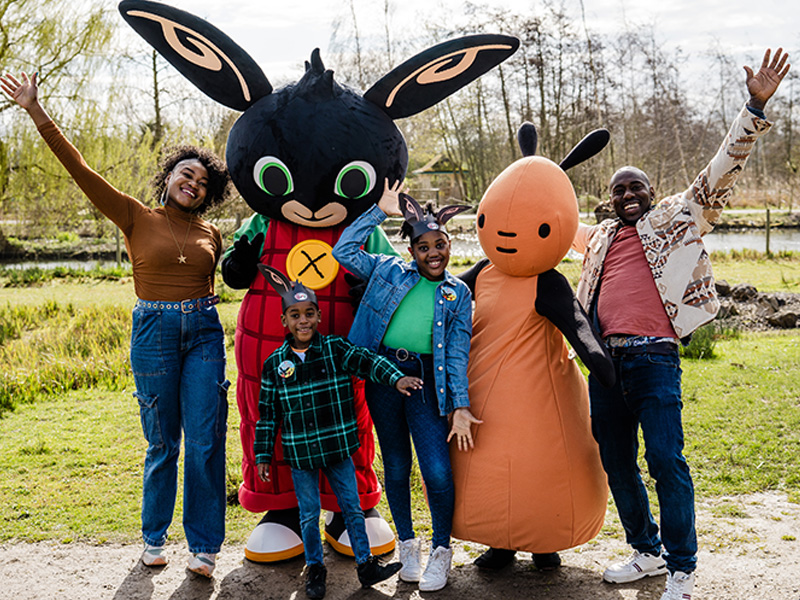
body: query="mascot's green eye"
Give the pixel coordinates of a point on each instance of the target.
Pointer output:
(355, 180)
(273, 176)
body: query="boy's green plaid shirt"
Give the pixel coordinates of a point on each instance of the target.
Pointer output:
(312, 400)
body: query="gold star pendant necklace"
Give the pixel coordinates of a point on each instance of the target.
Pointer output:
(181, 257)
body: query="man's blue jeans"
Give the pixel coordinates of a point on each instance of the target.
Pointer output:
(342, 479)
(399, 418)
(178, 363)
(647, 393)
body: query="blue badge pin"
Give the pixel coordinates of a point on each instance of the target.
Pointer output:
(286, 369)
(449, 294)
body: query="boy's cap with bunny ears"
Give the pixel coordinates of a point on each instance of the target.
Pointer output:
(290, 292)
(422, 222)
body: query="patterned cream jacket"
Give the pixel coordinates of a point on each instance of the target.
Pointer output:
(671, 234)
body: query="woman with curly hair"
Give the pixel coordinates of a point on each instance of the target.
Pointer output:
(177, 342)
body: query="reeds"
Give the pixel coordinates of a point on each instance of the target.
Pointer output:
(51, 348)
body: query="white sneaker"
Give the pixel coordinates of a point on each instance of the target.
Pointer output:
(153, 556)
(410, 559)
(202, 564)
(638, 566)
(679, 586)
(436, 571)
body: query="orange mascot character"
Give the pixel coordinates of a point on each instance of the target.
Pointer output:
(534, 481)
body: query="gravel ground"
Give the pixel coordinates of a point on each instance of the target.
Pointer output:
(749, 549)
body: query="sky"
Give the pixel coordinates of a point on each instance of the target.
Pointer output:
(279, 35)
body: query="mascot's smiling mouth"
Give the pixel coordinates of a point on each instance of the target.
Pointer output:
(329, 215)
(510, 234)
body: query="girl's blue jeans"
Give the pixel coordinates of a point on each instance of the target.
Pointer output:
(342, 479)
(178, 362)
(647, 394)
(398, 419)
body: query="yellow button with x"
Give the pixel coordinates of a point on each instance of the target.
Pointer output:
(311, 263)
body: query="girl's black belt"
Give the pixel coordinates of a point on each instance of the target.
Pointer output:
(403, 355)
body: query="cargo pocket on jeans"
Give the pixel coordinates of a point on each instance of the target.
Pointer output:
(151, 424)
(221, 427)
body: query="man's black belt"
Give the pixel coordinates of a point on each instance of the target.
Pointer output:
(655, 348)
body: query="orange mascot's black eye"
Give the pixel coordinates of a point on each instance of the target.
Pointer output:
(544, 230)
(481, 220)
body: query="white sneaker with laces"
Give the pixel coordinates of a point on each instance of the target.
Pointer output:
(410, 559)
(153, 556)
(437, 570)
(202, 564)
(679, 586)
(638, 566)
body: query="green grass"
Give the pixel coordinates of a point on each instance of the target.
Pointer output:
(71, 469)
(780, 273)
(51, 348)
(71, 464)
(704, 340)
(71, 459)
(742, 415)
(37, 275)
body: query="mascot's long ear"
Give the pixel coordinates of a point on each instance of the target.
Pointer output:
(585, 149)
(527, 138)
(432, 75)
(276, 279)
(201, 52)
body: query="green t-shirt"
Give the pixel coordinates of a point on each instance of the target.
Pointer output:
(411, 326)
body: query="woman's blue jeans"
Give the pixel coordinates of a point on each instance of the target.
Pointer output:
(398, 419)
(342, 479)
(647, 393)
(178, 362)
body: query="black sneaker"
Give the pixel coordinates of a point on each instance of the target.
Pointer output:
(546, 562)
(372, 571)
(315, 581)
(495, 559)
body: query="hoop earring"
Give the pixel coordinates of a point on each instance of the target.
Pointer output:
(163, 199)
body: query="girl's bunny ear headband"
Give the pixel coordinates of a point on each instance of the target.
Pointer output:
(421, 222)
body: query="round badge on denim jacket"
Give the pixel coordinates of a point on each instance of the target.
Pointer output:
(449, 294)
(286, 369)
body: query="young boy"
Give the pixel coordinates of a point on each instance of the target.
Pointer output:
(306, 391)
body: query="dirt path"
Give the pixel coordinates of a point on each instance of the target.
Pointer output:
(750, 549)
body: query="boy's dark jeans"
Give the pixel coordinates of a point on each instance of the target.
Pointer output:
(342, 479)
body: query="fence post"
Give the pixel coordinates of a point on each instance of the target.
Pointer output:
(768, 252)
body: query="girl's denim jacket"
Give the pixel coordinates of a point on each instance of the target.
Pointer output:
(389, 280)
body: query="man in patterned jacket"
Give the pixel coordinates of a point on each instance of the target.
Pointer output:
(647, 283)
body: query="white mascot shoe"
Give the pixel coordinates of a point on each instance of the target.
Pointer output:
(381, 538)
(277, 537)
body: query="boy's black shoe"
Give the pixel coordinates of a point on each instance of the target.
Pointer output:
(315, 581)
(372, 571)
